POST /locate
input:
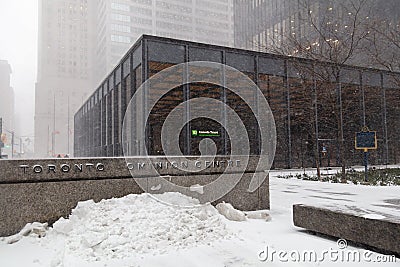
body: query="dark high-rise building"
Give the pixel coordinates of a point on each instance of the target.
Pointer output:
(317, 106)
(262, 24)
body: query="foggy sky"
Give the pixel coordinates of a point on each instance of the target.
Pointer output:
(18, 45)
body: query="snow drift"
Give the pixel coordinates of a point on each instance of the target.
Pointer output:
(120, 227)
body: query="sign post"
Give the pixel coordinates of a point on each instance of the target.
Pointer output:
(366, 140)
(366, 164)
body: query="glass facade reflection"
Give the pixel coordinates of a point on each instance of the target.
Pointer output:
(317, 106)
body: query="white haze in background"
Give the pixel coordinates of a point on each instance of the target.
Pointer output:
(18, 45)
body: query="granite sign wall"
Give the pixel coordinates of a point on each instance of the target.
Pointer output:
(45, 190)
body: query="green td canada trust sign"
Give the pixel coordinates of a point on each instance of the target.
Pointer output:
(205, 133)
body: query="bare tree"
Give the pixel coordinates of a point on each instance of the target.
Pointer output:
(330, 33)
(336, 33)
(383, 42)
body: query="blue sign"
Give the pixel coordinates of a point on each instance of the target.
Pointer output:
(366, 140)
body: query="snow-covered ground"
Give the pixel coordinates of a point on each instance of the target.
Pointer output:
(139, 231)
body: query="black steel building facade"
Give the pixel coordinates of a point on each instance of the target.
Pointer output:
(317, 106)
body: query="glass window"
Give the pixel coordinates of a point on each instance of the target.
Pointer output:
(141, 21)
(137, 57)
(169, 53)
(118, 6)
(202, 54)
(298, 69)
(246, 115)
(374, 113)
(110, 110)
(158, 115)
(302, 118)
(120, 17)
(371, 78)
(138, 76)
(120, 39)
(142, 2)
(240, 61)
(96, 96)
(127, 89)
(274, 91)
(271, 66)
(350, 76)
(162, 56)
(104, 123)
(118, 75)
(120, 28)
(393, 123)
(209, 91)
(234, 80)
(106, 88)
(325, 73)
(132, 145)
(391, 80)
(327, 109)
(111, 82)
(127, 66)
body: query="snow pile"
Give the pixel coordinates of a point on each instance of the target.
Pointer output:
(373, 216)
(135, 224)
(197, 188)
(232, 214)
(258, 215)
(31, 229)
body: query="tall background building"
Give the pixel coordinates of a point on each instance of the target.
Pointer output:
(254, 19)
(119, 23)
(64, 72)
(80, 41)
(7, 96)
(6, 102)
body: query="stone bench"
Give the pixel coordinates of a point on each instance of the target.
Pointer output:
(382, 235)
